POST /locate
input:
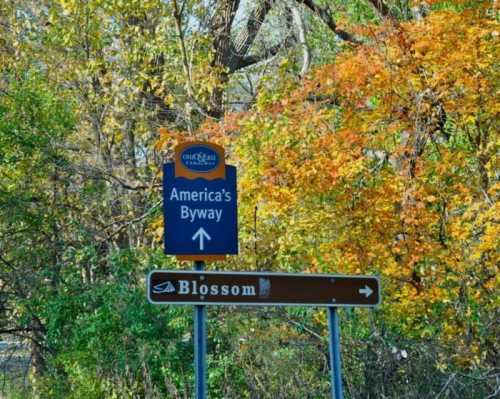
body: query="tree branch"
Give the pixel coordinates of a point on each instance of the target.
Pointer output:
(246, 37)
(185, 63)
(135, 220)
(301, 37)
(325, 15)
(271, 52)
(16, 330)
(382, 8)
(92, 172)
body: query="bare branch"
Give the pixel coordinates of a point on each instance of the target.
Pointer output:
(301, 36)
(182, 45)
(246, 37)
(95, 173)
(135, 220)
(185, 63)
(266, 55)
(381, 8)
(16, 330)
(325, 14)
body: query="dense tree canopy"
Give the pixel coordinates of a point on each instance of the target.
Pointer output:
(365, 133)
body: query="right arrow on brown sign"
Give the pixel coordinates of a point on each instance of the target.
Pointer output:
(366, 291)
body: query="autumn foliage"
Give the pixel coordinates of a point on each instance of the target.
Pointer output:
(386, 162)
(365, 136)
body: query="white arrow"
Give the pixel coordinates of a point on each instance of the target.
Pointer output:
(201, 234)
(367, 291)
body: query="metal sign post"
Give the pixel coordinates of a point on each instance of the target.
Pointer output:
(201, 224)
(334, 346)
(200, 345)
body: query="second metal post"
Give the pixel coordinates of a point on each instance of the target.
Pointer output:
(334, 346)
(200, 345)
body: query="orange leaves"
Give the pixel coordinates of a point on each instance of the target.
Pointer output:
(168, 138)
(384, 162)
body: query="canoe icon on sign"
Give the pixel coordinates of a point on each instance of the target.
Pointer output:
(164, 288)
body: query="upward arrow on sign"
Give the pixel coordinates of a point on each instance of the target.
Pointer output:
(201, 234)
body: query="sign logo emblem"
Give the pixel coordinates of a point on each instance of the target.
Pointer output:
(199, 158)
(164, 288)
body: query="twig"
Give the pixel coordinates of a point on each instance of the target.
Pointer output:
(452, 377)
(137, 219)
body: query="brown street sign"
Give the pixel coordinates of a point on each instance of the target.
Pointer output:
(246, 288)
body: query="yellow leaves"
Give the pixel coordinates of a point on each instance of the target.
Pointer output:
(470, 119)
(155, 229)
(69, 6)
(422, 47)
(491, 239)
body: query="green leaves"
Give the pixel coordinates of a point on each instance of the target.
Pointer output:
(32, 121)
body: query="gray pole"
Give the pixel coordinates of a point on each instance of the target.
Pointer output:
(200, 345)
(334, 346)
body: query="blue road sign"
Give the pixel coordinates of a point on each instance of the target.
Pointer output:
(200, 214)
